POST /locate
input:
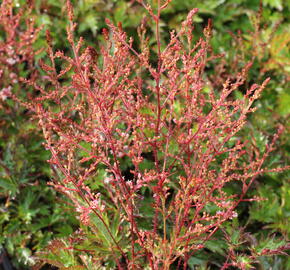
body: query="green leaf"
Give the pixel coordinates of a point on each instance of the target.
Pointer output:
(216, 246)
(269, 244)
(100, 228)
(8, 185)
(274, 3)
(284, 103)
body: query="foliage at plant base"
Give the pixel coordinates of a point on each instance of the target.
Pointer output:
(267, 44)
(30, 215)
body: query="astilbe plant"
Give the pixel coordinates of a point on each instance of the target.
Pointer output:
(145, 149)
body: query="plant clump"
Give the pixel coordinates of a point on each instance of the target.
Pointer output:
(143, 145)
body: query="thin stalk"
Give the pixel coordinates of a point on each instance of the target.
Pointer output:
(157, 78)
